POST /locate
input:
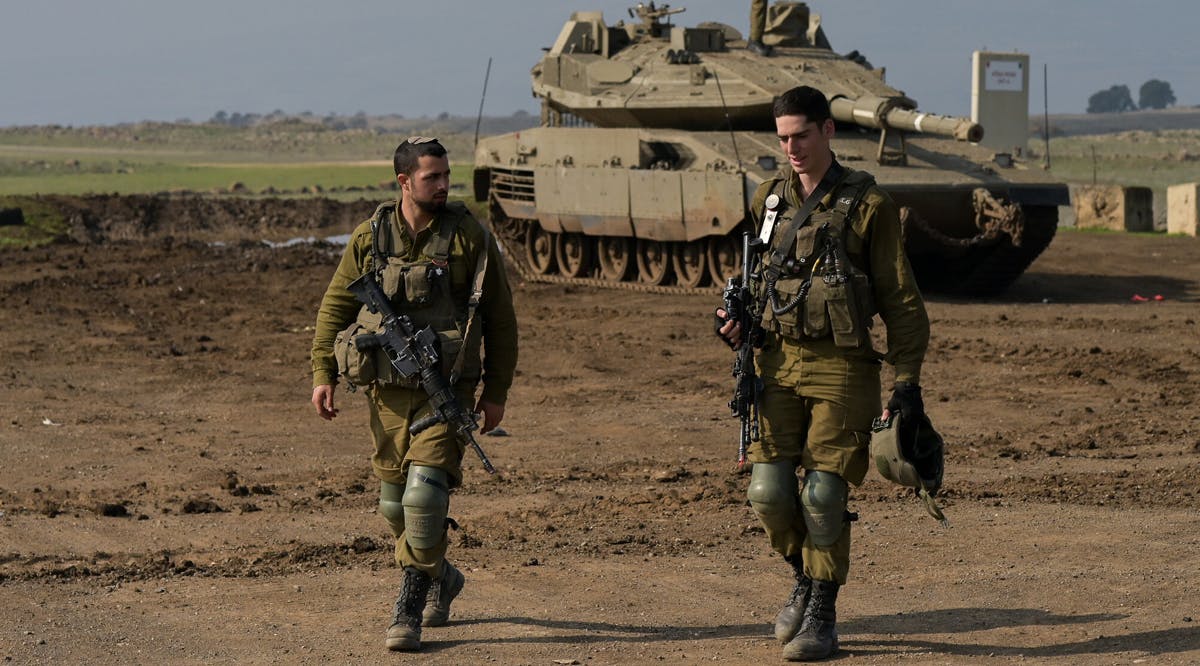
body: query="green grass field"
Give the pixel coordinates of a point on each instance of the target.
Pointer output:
(163, 157)
(1154, 159)
(290, 156)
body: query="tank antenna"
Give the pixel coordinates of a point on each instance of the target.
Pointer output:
(479, 116)
(732, 136)
(1046, 114)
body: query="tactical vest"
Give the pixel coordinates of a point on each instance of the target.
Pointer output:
(810, 287)
(421, 290)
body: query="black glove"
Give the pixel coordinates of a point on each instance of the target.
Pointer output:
(906, 399)
(718, 322)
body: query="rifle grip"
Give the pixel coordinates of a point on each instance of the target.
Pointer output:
(420, 425)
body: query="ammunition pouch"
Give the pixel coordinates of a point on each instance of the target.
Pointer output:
(357, 368)
(788, 293)
(842, 308)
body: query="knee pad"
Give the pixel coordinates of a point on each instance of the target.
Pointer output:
(772, 494)
(426, 503)
(823, 503)
(391, 506)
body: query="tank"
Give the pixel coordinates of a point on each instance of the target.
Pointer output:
(654, 137)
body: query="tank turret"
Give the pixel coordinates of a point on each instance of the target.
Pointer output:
(654, 137)
(653, 74)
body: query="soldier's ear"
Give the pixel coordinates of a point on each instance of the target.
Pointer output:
(827, 128)
(402, 179)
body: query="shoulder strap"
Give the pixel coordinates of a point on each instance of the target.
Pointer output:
(861, 181)
(381, 234)
(439, 247)
(473, 302)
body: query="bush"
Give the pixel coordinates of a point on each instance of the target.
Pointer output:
(1113, 100)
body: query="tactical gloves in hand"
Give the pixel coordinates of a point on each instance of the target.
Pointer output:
(906, 399)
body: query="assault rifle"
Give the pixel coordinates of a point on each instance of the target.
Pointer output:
(415, 353)
(740, 306)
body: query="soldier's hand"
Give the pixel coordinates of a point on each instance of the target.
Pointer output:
(493, 414)
(322, 399)
(729, 330)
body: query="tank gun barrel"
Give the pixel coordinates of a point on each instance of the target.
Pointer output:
(900, 113)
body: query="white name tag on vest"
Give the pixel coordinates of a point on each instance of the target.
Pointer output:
(768, 225)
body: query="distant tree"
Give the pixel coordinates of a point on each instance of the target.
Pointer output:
(220, 118)
(444, 115)
(1155, 94)
(1113, 100)
(358, 121)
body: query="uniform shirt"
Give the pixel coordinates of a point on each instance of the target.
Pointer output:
(879, 254)
(496, 320)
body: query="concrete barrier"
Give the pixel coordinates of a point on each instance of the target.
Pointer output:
(1113, 207)
(1183, 209)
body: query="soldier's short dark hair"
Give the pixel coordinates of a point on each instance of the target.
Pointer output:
(408, 153)
(803, 101)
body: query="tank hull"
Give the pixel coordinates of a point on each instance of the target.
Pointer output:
(664, 209)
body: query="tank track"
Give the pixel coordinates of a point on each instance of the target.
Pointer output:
(984, 265)
(514, 254)
(980, 269)
(1006, 262)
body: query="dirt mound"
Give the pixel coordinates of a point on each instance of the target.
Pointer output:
(103, 218)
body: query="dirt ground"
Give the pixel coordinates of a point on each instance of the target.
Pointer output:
(167, 494)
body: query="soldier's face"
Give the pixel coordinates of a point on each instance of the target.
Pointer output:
(805, 143)
(429, 184)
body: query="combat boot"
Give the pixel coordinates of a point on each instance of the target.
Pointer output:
(758, 48)
(441, 593)
(405, 632)
(787, 622)
(817, 637)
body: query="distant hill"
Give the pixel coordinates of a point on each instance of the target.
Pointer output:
(1179, 118)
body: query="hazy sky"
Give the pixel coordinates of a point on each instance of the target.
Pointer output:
(98, 62)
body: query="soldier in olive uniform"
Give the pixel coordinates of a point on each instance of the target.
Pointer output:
(834, 259)
(758, 24)
(442, 269)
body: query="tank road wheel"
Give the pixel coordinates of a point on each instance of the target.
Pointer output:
(539, 249)
(724, 258)
(690, 261)
(653, 261)
(574, 254)
(614, 253)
